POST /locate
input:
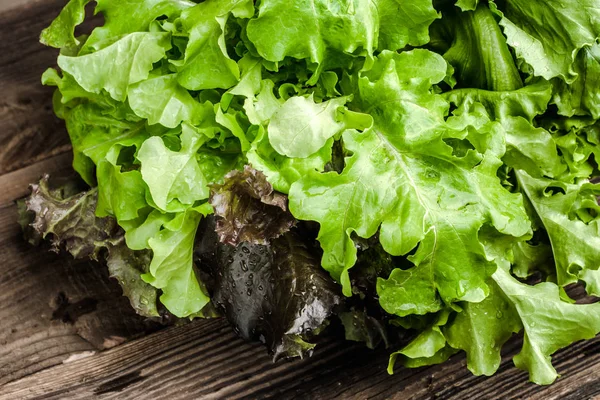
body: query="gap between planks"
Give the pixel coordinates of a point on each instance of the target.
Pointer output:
(15, 185)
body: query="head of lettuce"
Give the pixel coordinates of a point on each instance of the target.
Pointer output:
(405, 168)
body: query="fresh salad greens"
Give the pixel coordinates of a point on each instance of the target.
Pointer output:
(421, 173)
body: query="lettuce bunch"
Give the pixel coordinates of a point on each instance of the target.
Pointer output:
(421, 171)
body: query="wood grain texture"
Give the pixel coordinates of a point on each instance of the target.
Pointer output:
(29, 130)
(62, 322)
(205, 360)
(15, 184)
(52, 307)
(8, 4)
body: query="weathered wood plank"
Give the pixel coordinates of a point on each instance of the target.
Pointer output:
(206, 360)
(29, 130)
(51, 306)
(14, 185)
(40, 290)
(8, 4)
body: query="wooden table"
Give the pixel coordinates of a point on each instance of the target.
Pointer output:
(67, 333)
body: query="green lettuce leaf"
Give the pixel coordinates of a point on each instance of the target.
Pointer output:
(578, 140)
(162, 100)
(61, 32)
(207, 64)
(527, 147)
(131, 61)
(527, 103)
(481, 329)
(174, 178)
(125, 16)
(121, 194)
(429, 347)
(403, 23)
(391, 175)
(282, 171)
(138, 232)
(478, 43)
(528, 258)
(549, 324)
(313, 29)
(69, 90)
(172, 267)
(569, 215)
(467, 5)
(548, 36)
(579, 97)
(301, 127)
(95, 123)
(592, 281)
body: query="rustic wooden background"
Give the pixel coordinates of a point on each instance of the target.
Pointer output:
(66, 333)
